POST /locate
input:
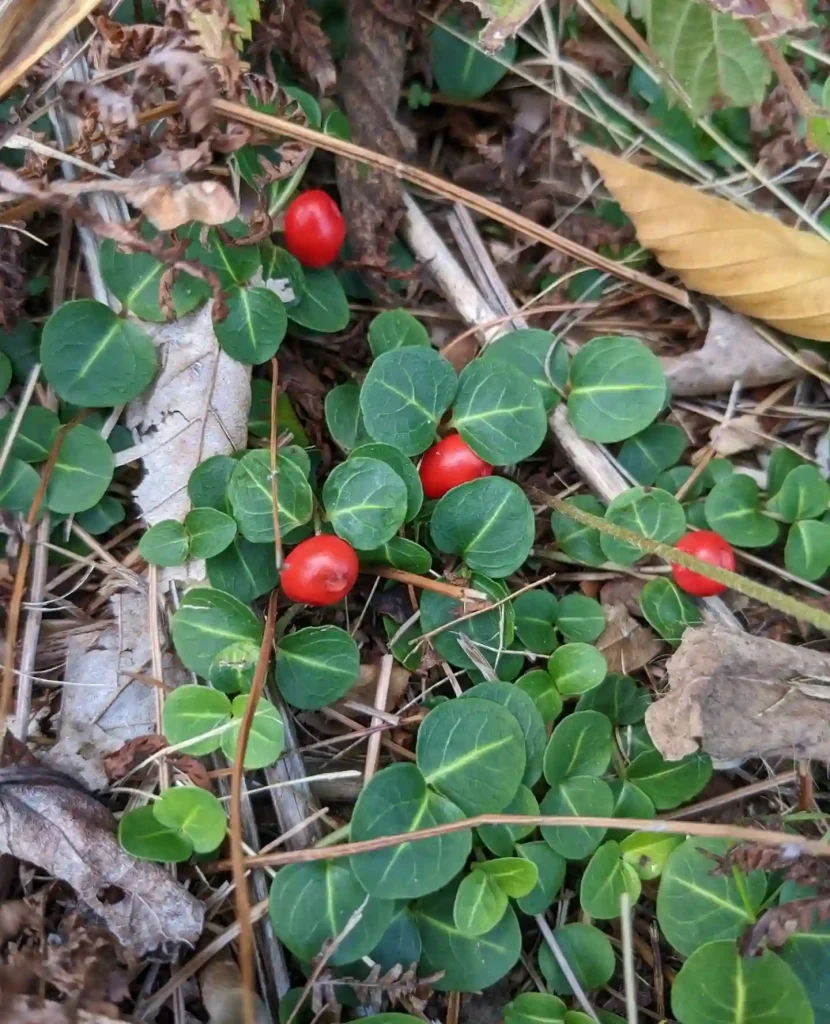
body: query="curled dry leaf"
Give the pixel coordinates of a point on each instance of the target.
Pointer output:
(49, 820)
(169, 206)
(626, 645)
(113, 109)
(296, 31)
(189, 78)
(504, 19)
(751, 262)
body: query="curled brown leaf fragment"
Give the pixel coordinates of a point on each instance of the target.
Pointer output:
(504, 19)
(751, 262)
(169, 206)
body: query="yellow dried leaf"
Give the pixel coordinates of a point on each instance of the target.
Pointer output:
(749, 261)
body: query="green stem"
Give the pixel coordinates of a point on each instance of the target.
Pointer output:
(740, 883)
(334, 838)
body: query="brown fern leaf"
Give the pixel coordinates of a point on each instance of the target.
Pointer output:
(12, 278)
(777, 924)
(801, 869)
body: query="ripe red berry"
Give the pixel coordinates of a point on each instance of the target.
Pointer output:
(314, 229)
(709, 547)
(449, 463)
(320, 570)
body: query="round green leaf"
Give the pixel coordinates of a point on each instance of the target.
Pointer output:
(82, 472)
(233, 668)
(5, 373)
(580, 745)
(539, 355)
(695, 906)
(648, 852)
(393, 329)
(653, 450)
(404, 467)
(244, 570)
(804, 494)
(670, 783)
(133, 278)
(576, 668)
(582, 543)
(673, 479)
(195, 814)
(500, 839)
(266, 739)
(617, 389)
(629, 802)
(93, 358)
(400, 553)
(366, 502)
(164, 544)
(312, 903)
(259, 416)
(400, 943)
(480, 903)
(807, 954)
(499, 412)
(488, 522)
(254, 327)
(190, 712)
(540, 687)
(719, 986)
(516, 876)
(469, 962)
(344, 418)
(208, 621)
(316, 666)
(251, 497)
(733, 510)
(323, 308)
(580, 796)
(209, 481)
(535, 620)
(404, 396)
(550, 870)
(521, 706)
(18, 486)
(208, 531)
(460, 68)
(35, 436)
(588, 952)
(580, 618)
(649, 512)
(233, 264)
(781, 463)
(472, 752)
(668, 610)
(394, 802)
(534, 1008)
(617, 697)
(606, 879)
(490, 632)
(807, 552)
(142, 835)
(282, 273)
(101, 517)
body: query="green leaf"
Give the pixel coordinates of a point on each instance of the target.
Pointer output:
(576, 668)
(35, 436)
(719, 986)
(733, 510)
(668, 610)
(282, 273)
(480, 903)
(206, 622)
(93, 358)
(133, 278)
(534, 1008)
(516, 876)
(619, 698)
(550, 869)
(195, 814)
(267, 737)
(344, 418)
(499, 412)
(580, 745)
(400, 943)
(695, 906)
(472, 752)
(629, 802)
(490, 632)
(208, 531)
(581, 796)
(251, 498)
(21, 347)
(233, 668)
(606, 879)
(487, 522)
(5, 373)
(209, 481)
(803, 495)
(142, 835)
(710, 54)
(404, 396)
(538, 354)
(651, 451)
(469, 962)
(366, 502)
(243, 13)
(535, 620)
(189, 713)
(256, 323)
(244, 570)
(521, 706)
(807, 551)
(404, 467)
(316, 666)
(670, 783)
(582, 543)
(324, 308)
(404, 648)
(649, 512)
(394, 802)
(673, 479)
(540, 687)
(589, 955)
(648, 852)
(580, 618)
(500, 839)
(312, 903)
(164, 544)
(617, 389)
(400, 553)
(101, 517)
(781, 463)
(19, 484)
(461, 69)
(82, 472)
(259, 417)
(233, 264)
(393, 329)
(807, 953)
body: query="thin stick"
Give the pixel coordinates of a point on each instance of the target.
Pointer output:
(272, 447)
(629, 976)
(562, 960)
(22, 406)
(381, 695)
(427, 583)
(716, 802)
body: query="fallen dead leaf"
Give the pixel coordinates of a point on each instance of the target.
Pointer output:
(364, 689)
(626, 645)
(624, 591)
(777, 16)
(504, 19)
(33, 1010)
(751, 262)
(169, 206)
(122, 761)
(221, 985)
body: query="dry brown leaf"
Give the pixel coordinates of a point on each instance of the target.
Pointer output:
(366, 685)
(775, 15)
(169, 206)
(626, 644)
(503, 20)
(296, 31)
(751, 262)
(33, 1010)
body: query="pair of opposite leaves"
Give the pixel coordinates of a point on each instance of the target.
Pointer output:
(751, 262)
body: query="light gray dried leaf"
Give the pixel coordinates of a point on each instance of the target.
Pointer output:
(504, 19)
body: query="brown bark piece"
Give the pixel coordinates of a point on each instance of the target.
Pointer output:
(734, 695)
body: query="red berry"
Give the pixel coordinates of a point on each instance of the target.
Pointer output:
(314, 229)
(708, 547)
(320, 570)
(449, 463)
